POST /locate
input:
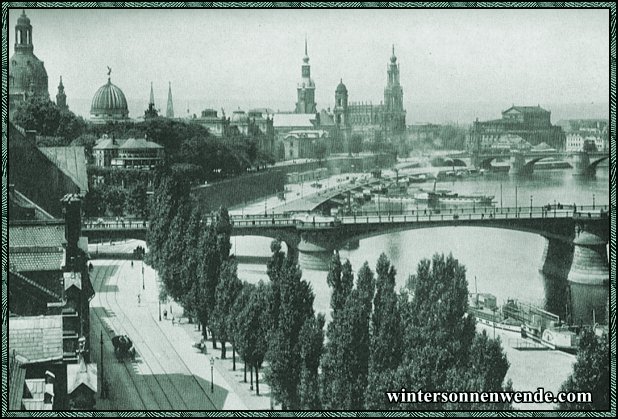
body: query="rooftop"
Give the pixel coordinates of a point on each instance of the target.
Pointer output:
(71, 161)
(289, 120)
(527, 109)
(36, 235)
(36, 338)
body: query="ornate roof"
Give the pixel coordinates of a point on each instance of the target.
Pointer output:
(341, 87)
(109, 100)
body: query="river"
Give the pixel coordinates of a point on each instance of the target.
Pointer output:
(501, 262)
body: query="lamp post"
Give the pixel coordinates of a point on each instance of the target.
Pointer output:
(159, 309)
(516, 207)
(593, 198)
(554, 208)
(500, 197)
(530, 204)
(265, 212)
(143, 283)
(212, 366)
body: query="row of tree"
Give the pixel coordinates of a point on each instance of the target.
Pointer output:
(378, 340)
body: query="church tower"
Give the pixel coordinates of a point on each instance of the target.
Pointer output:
(169, 113)
(306, 88)
(151, 112)
(341, 106)
(61, 97)
(27, 74)
(394, 114)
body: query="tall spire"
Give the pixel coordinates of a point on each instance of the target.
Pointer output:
(170, 104)
(306, 45)
(61, 97)
(151, 96)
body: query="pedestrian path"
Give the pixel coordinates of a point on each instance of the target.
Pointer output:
(229, 390)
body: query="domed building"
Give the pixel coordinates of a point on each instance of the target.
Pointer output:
(27, 74)
(109, 104)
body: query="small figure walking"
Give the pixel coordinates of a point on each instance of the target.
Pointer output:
(131, 263)
(173, 321)
(165, 314)
(139, 298)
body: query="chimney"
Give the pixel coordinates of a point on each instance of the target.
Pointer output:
(72, 228)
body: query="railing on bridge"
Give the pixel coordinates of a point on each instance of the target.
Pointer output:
(411, 216)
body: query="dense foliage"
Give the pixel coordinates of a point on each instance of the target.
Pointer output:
(591, 373)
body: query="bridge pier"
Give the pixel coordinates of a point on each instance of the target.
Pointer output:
(557, 258)
(581, 165)
(519, 166)
(589, 278)
(314, 256)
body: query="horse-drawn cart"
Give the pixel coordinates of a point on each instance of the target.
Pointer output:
(123, 347)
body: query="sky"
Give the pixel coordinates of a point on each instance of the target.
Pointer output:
(455, 64)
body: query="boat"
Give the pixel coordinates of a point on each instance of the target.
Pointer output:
(484, 308)
(447, 197)
(418, 178)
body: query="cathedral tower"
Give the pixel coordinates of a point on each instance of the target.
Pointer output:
(27, 74)
(61, 97)
(169, 113)
(306, 88)
(394, 114)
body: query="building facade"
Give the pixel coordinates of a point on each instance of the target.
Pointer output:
(304, 144)
(132, 153)
(530, 123)
(27, 74)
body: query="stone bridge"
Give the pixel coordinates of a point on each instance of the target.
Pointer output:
(575, 248)
(522, 163)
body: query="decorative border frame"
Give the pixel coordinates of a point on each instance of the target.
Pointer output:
(612, 187)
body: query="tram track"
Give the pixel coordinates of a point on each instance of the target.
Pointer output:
(139, 385)
(173, 394)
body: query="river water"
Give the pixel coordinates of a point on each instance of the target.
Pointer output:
(501, 262)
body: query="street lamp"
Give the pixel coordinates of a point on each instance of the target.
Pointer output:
(159, 308)
(593, 203)
(212, 383)
(143, 283)
(530, 204)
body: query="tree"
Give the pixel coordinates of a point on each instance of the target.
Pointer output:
(115, 197)
(228, 288)
(296, 306)
(137, 200)
(441, 349)
(386, 327)
(171, 191)
(346, 354)
(311, 344)
(94, 202)
(235, 322)
(591, 373)
(340, 280)
(47, 119)
(253, 330)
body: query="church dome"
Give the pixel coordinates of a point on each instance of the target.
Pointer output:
(239, 116)
(341, 88)
(109, 102)
(26, 71)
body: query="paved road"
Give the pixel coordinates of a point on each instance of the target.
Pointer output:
(160, 377)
